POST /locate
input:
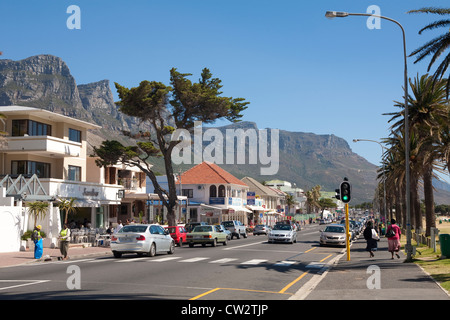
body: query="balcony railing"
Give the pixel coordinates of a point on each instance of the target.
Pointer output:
(47, 145)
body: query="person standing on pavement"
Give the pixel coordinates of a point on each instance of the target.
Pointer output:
(393, 233)
(370, 237)
(64, 237)
(119, 226)
(37, 239)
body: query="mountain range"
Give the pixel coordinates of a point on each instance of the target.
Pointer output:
(306, 159)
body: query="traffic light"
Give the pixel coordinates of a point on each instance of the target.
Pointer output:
(345, 191)
(338, 194)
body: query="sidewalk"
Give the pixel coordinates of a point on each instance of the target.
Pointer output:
(8, 259)
(378, 278)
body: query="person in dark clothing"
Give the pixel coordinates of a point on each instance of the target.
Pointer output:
(371, 238)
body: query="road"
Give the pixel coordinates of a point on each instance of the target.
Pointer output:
(245, 269)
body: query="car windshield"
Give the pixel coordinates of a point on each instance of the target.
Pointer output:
(133, 228)
(334, 229)
(202, 229)
(282, 227)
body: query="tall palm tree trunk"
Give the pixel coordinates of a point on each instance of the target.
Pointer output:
(430, 216)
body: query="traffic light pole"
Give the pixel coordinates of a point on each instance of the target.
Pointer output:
(347, 225)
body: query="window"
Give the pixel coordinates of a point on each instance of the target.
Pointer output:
(188, 193)
(74, 173)
(74, 135)
(30, 127)
(212, 191)
(41, 169)
(221, 191)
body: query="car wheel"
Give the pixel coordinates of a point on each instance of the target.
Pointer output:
(203, 244)
(225, 242)
(117, 254)
(245, 235)
(238, 236)
(191, 245)
(214, 243)
(172, 248)
(152, 251)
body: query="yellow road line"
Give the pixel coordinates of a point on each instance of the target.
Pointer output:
(204, 294)
(235, 289)
(310, 249)
(325, 258)
(293, 282)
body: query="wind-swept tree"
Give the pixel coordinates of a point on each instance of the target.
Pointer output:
(165, 108)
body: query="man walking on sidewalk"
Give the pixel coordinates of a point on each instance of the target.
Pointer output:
(64, 237)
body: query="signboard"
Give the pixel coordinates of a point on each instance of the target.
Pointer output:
(251, 198)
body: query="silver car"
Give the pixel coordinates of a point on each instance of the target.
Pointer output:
(142, 239)
(333, 234)
(283, 233)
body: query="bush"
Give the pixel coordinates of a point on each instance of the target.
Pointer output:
(27, 234)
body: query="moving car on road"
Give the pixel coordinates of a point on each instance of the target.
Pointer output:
(283, 233)
(206, 234)
(334, 234)
(236, 228)
(178, 234)
(142, 239)
(261, 229)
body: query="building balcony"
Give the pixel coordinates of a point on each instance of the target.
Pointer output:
(47, 146)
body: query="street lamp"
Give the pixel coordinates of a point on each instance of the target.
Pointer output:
(340, 14)
(384, 174)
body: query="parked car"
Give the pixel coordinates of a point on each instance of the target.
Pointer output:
(236, 228)
(283, 233)
(191, 225)
(334, 234)
(206, 234)
(223, 229)
(142, 239)
(261, 229)
(178, 234)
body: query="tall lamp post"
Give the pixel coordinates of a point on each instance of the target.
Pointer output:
(340, 14)
(384, 175)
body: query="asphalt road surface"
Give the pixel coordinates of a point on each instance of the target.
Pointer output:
(245, 269)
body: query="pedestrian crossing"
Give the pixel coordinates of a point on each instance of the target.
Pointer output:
(179, 259)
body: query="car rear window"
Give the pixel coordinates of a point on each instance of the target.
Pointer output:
(228, 223)
(133, 228)
(172, 229)
(202, 229)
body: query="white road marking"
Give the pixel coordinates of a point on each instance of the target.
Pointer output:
(194, 259)
(254, 261)
(29, 283)
(224, 260)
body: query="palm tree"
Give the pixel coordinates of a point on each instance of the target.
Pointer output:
(437, 46)
(37, 209)
(67, 206)
(428, 112)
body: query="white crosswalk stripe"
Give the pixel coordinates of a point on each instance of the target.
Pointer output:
(194, 259)
(254, 261)
(284, 263)
(163, 259)
(224, 260)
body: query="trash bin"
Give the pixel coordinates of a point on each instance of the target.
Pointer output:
(444, 240)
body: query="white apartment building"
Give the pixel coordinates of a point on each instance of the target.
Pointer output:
(54, 148)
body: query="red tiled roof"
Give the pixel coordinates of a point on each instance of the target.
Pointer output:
(209, 173)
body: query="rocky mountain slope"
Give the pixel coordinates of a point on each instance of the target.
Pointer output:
(307, 159)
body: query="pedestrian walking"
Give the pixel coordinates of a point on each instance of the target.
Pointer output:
(37, 239)
(393, 233)
(371, 236)
(64, 237)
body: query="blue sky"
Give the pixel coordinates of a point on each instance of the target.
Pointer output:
(299, 71)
